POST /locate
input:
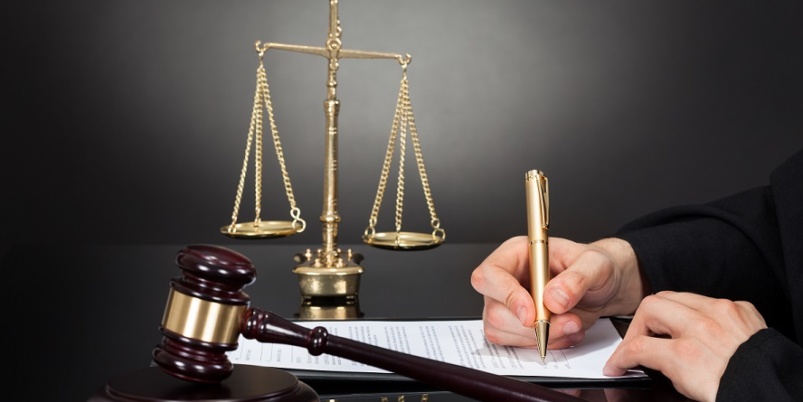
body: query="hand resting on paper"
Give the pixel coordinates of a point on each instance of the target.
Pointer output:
(703, 333)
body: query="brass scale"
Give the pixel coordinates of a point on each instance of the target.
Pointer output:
(328, 273)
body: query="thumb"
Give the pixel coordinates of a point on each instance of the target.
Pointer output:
(556, 298)
(590, 270)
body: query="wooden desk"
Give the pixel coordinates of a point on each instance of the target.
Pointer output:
(75, 316)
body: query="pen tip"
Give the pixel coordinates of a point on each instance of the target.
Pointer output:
(542, 337)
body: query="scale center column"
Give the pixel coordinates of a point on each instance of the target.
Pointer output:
(329, 275)
(329, 216)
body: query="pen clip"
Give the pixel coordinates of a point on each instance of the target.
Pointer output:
(543, 192)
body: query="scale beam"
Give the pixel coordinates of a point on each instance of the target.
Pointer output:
(342, 53)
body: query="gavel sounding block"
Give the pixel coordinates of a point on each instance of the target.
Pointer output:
(247, 383)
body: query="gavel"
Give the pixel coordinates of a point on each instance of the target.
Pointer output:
(207, 310)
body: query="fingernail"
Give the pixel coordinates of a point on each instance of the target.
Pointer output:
(560, 297)
(570, 327)
(522, 313)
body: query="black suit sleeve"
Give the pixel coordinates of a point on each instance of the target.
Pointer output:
(768, 367)
(726, 249)
(741, 247)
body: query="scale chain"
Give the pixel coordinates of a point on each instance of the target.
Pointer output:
(403, 120)
(256, 116)
(261, 78)
(383, 179)
(262, 97)
(402, 152)
(419, 157)
(295, 212)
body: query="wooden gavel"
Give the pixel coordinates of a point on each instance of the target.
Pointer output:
(207, 310)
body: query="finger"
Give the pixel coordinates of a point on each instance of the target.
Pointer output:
(657, 315)
(502, 327)
(677, 303)
(691, 300)
(639, 346)
(698, 351)
(565, 330)
(511, 256)
(496, 278)
(647, 351)
(496, 284)
(731, 323)
(680, 360)
(735, 310)
(660, 315)
(562, 253)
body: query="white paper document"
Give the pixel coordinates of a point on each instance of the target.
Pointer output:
(460, 342)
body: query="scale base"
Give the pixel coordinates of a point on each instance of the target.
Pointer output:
(316, 281)
(328, 275)
(247, 383)
(330, 308)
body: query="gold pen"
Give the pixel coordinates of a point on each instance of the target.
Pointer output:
(537, 190)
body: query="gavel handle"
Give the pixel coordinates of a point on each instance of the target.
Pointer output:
(267, 327)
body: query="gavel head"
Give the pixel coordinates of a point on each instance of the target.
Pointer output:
(203, 314)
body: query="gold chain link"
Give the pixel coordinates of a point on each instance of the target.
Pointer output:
(402, 152)
(403, 119)
(261, 78)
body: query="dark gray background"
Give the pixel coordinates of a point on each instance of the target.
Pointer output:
(126, 121)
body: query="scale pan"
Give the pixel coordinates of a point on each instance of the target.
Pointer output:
(403, 240)
(264, 230)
